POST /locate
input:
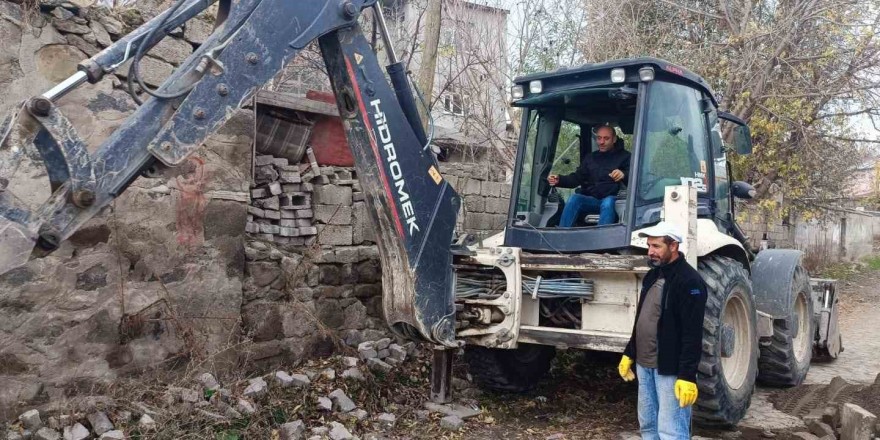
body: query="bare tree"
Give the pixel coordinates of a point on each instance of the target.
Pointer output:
(800, 71)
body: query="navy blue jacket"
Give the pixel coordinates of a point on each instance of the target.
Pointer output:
(680, 328)
(592, 174)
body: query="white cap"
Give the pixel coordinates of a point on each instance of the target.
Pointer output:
(662, 229)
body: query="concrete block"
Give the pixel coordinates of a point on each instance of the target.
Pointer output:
(256, 212)
(292, 187)
(272, 214)
(304, 223)
(296, 200)
(274, 188)
(339, 432)
(262, 160)
(358, 197)
(287, 223)
(497, 205)
(268, 203)
(256, 388)
(288, 232)
(333, 195)
(492, 189)
(259, 193)
(269, 229)
(100, 423)
(308, 232)
(293, 430)
(305, 213)
(397, 352)
(333, 214)
(334, 235)
(265, 174)
(31, 420)
(76, 432)
(386, 420)
(377, 365)
(341, 402)
(287, 214)
(855, 422)
(289, 177)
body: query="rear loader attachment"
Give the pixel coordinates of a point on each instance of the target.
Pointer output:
(413, 209)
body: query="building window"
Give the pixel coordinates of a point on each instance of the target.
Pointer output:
(453, 103)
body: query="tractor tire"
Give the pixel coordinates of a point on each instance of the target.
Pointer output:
(517, 370)
(729, 364)
(785, 357)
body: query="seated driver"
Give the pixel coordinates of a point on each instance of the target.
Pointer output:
(600, 176)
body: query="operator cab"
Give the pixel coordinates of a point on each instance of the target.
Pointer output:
(666, 118)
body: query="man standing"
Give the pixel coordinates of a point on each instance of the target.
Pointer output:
(599, 176)
(666, 342)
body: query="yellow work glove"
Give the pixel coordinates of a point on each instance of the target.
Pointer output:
(685, 392)
(625, 369)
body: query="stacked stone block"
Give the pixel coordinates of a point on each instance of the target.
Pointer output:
(485, 196)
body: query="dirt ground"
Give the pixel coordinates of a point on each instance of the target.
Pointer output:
(585, 399)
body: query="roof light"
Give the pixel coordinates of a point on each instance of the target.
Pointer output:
(646, 73)
(536, 86)
(517, 92)
(618, 75)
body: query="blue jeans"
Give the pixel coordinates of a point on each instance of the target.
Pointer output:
(579, 204)
(660, 416)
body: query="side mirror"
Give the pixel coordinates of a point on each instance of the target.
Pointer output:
(740, 136)
(742, 190)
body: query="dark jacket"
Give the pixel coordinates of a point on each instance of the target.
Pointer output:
(592, 174)
(680, 328)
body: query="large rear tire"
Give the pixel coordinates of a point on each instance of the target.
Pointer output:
(785, 357)
(518, 370)
(729, 364)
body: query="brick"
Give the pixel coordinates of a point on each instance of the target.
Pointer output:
(269, 229)
(305, 213)
(304, 222)
(334, 215)
(333, 195)
(288, 223)
(335, 235)
(273, 215)
(281, 162)
(259, 193)
(253, 210)
(291, 187)
(288, 214)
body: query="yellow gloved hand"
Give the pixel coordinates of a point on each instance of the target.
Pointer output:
(685, 392)
(625, 369)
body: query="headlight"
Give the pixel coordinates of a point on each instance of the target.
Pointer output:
(517, 92)
(618, 75)
(536, 86)
(646, 73)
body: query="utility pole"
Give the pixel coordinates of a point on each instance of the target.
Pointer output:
(428, 64)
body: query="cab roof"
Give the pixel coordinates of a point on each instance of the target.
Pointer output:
(588, 75)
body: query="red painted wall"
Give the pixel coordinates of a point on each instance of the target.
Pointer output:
(328, 137)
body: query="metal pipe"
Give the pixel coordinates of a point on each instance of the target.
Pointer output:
(66, 86)
(383, 29)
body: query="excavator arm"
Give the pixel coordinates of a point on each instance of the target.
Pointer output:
(413, 209)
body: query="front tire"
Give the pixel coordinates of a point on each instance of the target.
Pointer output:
(786, 359)
(517, 370)
(729, 364)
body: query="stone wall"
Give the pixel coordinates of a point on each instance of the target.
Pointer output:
(156, 280)
(313, 277)
(485, 196)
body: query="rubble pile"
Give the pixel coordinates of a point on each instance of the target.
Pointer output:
(834, 411)
(314, 402)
